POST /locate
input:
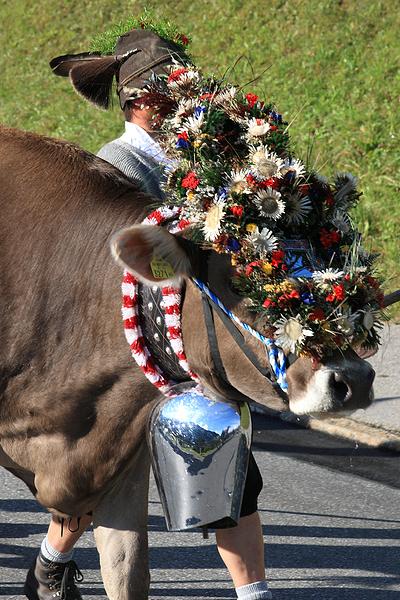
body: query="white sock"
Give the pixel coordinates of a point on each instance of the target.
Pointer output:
(254, 591)
(53, 555)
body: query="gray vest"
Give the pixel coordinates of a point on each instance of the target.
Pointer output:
(135, 164)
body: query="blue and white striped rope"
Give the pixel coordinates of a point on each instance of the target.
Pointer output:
(276, 355)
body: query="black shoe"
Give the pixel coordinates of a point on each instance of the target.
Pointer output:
(48, 580)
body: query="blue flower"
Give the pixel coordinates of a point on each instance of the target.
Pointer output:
(307, 298)
(198, 110)
(276, 116)
(222, 193)
(181, 143)
(233, 245)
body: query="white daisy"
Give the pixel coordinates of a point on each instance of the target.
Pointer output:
(269, 203)
(264, 241)
(256, 128)
(327, 276)
(297, 208)
(185, 80)
(236, 182)
(194, 123)
(290, 333)
(212, 223)
(225, 96)
(266, 164)
(184, 108)
(292, 165)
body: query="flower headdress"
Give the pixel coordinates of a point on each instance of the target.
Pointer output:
(296, 252)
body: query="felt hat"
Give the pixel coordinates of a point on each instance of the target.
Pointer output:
(138, 54)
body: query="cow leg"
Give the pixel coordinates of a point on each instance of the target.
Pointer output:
(120, 529)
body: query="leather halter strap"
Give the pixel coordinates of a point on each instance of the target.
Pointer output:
(238, 337)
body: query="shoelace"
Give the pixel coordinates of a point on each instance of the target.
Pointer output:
(70, 573)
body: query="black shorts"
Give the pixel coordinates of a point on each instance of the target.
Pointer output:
(252, 488)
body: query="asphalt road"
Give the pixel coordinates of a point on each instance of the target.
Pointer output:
(331, 518)
(385, 411)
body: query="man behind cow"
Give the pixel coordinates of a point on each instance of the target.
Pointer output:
(140, 53)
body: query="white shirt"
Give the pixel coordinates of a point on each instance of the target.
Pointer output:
(139, 138)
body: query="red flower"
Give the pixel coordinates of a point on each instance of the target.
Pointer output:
(294, 294)
(251, 99)
(273, 128)
(183, 136)
(277, 257)
(268, 303)
(329, 200)
(317, 315)
(338, 293)
(237, 210)
(190, 181)
(304, 188)
(373, 282)
(250, 267)
(271, 182)
(206, 96)
(175, 75)
(251, 180)
(329, 238)
(183, 39)
(285, 298)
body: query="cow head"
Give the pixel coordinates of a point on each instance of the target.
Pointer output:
(155, 257)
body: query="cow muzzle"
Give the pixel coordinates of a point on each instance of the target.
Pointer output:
(335, 389)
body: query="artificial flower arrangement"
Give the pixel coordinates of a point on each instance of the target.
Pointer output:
(296, 252)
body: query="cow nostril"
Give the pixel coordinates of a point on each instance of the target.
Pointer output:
(341, 389)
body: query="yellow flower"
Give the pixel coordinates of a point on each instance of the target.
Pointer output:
(190, 195)
(266, 268)
(197, 143)
(233, 261)
(251, 227)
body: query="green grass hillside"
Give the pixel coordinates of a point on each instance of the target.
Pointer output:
(331, 66)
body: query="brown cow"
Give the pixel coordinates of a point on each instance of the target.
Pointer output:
(73, 406)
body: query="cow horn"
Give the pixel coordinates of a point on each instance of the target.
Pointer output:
(391, 298)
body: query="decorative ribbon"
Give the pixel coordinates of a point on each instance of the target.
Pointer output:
(276, 355)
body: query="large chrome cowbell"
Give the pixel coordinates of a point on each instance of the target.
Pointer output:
(200, 451)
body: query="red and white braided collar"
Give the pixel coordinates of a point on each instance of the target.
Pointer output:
(171, 305)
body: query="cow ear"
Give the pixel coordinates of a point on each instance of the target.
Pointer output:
(151, 254)
(91, 75)
(62, 65)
